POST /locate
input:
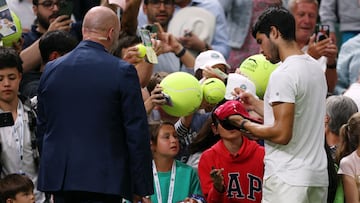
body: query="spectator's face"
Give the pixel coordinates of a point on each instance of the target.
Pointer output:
(305, 15)
(167, 144)
(226, 134)
(9, 84)
(160, 11)
(46, 12)
(24, 197)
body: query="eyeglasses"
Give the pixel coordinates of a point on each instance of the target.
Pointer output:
(51, 4)
(157, 3)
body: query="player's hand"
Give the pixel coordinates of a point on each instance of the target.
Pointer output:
(246, 98)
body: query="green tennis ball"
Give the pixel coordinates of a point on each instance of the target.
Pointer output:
(214, 90)
(258, 70)
(182, 92)
(142, 50)
(8, 40)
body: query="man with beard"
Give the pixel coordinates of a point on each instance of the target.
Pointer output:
(191, 40)
(174, 56)
(47, 19)
(91, 127)
(294, 114)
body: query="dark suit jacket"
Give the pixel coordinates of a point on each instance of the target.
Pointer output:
(92, 126)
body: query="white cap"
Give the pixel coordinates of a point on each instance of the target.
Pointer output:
(209, 58)
(237, 80)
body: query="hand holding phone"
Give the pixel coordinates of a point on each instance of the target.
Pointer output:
(146, 40)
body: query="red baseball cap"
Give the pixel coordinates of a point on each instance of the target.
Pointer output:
(234, 107)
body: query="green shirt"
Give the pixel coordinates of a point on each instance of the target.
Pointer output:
(186, 183)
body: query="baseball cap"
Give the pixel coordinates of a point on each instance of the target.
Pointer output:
(233, 107)
(209, 58)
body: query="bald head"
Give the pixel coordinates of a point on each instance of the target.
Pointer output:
(101, 24)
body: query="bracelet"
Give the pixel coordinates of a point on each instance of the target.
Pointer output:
(332, 66)
(181, 53)
(242, 127)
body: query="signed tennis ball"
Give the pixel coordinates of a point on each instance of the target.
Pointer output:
(184, 94)
(16, 26)
(142, 50)
(214, 90)
(258, 70)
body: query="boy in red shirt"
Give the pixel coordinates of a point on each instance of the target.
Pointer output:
(232, 169)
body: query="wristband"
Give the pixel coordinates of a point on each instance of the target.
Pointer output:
(181, 53)
(332, 66)
(242, 127)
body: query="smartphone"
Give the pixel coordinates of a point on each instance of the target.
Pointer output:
(152, 28)
(145, 37)
(66, 8)
(322, 32)
(167, 99)
(6, 119)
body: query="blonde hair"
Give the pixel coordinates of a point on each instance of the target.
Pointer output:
(292, 3)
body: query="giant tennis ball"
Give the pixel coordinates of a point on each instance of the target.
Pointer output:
(142, 50)
(182, 92)
(258, 70)
(214, 90)
(8, 40)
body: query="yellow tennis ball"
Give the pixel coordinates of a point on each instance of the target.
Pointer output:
(142, 50)
(214, 90)
(258, 70)
(182, 92)
(8, 40)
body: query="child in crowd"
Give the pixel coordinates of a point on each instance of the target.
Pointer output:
(16, 188)
(173, 181)
(348, 154)
(232, 169)
(210, 64)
